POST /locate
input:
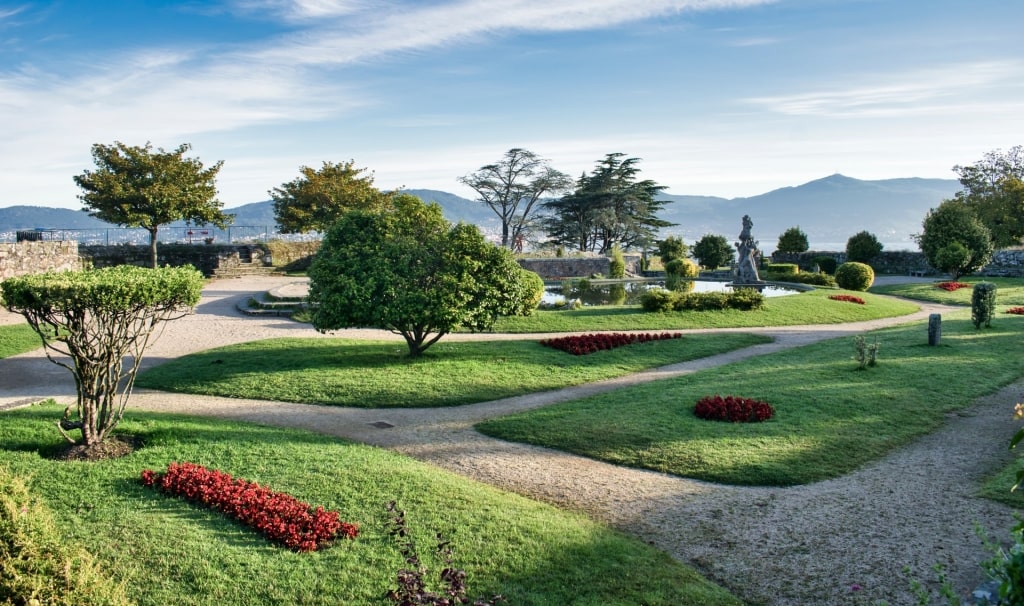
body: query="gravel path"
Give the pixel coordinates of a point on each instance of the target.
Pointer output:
(780, 546)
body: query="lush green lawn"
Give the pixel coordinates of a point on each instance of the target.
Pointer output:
(171, 552)
(16, 339)
(830, 417)
(813, 307)
(376, 374)
(1010, 291)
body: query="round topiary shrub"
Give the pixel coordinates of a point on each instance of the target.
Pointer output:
(682, 268)
(732, 409)
(854, 276)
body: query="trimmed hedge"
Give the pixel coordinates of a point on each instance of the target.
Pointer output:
(783, 269)
(661, 300)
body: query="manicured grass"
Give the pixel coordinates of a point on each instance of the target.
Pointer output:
(16, 339)
(379, 374)
(830, 418)
(171, 552)
(813, 307)
(1009, 291)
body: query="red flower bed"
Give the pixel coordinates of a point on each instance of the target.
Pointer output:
(952, 286)
(732, 409)
(847, 298)
(1016, 310)
(587, 344)
(278, 516)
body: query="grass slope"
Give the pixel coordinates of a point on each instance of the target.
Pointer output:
(1009, 291)
(171, 552)
(813, 307)
(16, 339)
(368, 374)
(830, 417)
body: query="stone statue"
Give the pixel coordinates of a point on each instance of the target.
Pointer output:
(746, 271)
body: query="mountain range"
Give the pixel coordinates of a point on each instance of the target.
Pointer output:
(828, 210)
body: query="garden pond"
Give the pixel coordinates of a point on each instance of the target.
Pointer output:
(628, 292)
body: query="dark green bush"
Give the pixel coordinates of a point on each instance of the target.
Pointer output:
(826, 264)
(983, 304)
(855, 276)
(783, 269)
(657, 299)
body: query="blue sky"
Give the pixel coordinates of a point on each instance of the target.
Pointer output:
(718, 97)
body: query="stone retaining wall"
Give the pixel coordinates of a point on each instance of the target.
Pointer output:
(576, 267)
(21, 258)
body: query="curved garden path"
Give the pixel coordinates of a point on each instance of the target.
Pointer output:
(842, 541)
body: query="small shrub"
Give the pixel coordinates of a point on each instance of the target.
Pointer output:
(847, 298)
(855, 276)
(865, 353)
(36, 565)
(658, 299)
(952, 286)
(783, 269)
(682, 268)
(732, 409)
(744, 299)
(983, 304)
(617, 265)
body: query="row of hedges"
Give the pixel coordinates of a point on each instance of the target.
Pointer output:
(661, 300)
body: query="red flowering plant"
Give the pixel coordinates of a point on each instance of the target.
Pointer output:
(1019, 311)
(732, 409)
(280, 517)
(587, 344)
(847, 298)
(952, 286)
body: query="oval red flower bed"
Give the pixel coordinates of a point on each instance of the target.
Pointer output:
(582, 345)
(847, 298)
(280, 517)
(733, 409)
(952, 286)
(1019, 311)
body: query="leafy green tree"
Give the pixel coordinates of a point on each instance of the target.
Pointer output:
(608, 207)
(713, 251)
(793, 240)
(953, 222)
(862, 247)
(137, 187)
(994, 190)
(671, 248)
(513, 187)
(317, 198)
(406, 269)
(102, 320)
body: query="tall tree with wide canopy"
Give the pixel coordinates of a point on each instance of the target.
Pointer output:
(954, 240)
(609, 207)
(137, 187)
(713, 251)
(994, 190)
(406, 269)
(512, 188)
(102, 320)
(317, 198)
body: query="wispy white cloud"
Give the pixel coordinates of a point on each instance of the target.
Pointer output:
(414, 27)
(945, 89)
(7, 13)
(302, 10)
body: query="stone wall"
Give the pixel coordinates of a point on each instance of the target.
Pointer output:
(204, 257)
(1008, 263)
(17, 259)
(292, 256)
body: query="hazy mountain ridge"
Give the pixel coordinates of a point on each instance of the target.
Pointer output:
(828, 210)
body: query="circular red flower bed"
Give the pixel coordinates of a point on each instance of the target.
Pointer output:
(733, 409)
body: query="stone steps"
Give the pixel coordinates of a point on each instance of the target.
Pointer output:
(246, 269)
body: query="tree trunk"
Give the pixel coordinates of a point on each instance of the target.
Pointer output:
(152, 244)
